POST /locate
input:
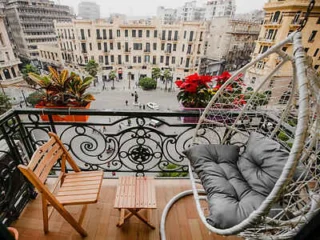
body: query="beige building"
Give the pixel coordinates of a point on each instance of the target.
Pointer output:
(231, 41)
(282, 18)
(132, 49)
(9, 71)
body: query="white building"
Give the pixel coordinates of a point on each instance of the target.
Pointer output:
(88, 10)
(219, 8)
(9, 71)
(166, 15)
(31, 23)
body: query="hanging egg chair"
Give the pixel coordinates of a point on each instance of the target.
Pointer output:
(254, 170)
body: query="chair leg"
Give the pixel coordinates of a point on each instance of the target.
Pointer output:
(83, 212)
(45, 214)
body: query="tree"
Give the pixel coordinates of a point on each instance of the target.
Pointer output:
(29, 68)
(156, 73)
(148, 83)
(112, 76)
(92, 68)
(5, 104)
(166, 76)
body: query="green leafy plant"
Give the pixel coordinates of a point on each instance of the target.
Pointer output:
(29, 68)
(283, 136)
(172, 167)
(36, 97)
(148, 83)
(63, 89)
(156, 73)
(167, 77)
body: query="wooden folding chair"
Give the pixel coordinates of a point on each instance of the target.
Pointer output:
(76, 188)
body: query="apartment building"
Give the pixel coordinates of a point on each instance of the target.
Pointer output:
(9, 71)
(282, 18)
(231, 42)
(31, 23)
(130, 48)
(166, 15)
(88, 10)
(219, 8)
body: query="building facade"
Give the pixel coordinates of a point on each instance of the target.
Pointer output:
(88, 10)
(31, 23)
(166, 15)
(231, 41)
(282, 18)
(130, 49)
(219, 8)
(9, 71)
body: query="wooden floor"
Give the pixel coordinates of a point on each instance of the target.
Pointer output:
(101, 218)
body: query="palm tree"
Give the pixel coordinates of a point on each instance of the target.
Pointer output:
(112, 76)
(156, 73)
(92, 68)
(166, 76)
(29, 68)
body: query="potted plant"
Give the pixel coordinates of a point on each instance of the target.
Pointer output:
(63, 90)
(195, 93)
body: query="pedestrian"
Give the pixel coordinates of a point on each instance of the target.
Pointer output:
(144, 107)
(129, 122)
(104, 129)
(126, 102)
(119, 126)
(140, 106)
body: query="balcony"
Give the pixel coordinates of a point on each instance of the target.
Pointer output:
(138, 149)
(266, 41)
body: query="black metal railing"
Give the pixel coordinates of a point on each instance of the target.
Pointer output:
(117, 142)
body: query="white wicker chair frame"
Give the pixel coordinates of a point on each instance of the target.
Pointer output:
(258, 225)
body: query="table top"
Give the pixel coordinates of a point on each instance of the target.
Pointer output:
(135, 192)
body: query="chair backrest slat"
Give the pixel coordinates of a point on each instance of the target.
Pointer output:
(37, 155)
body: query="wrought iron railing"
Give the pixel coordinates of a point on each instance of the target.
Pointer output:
(117, 142)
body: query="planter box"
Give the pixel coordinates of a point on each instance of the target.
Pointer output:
(219, 108)
(65, 118)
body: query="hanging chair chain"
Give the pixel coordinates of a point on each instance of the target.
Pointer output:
(306, 17)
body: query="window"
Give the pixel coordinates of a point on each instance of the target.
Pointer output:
(140, 33)
(104, 33)
(260, 65)
(182, 47)
(139, 59)
(90, 46)
(161, 59)
(134, 33)
(181, 61)
(191, 36)
(100, 59)
(112, 58)
(167, 60)
(318, 22)
(187, 62)
(105, 48)
(316, 67)
(312, 36)
(15, 75)
(126, 47)
(89, 35)
(1, 40)
(306, 50)
(154, 46)
(271, 84)
(169, 35)
(296, 17)
(106, 59)
(174, 47)
(110, 33)
(82, 34)
(137, 46)
(147, 47)
(184, 34)
(134, 59)
(162, 46)
(148, 33)
(147, 59)
(173, 60)
(155, 33)
(316, 52)
(119, 46)
(154, 60)
(118, 33)
(276, 16)
(111, 46)
(119, 59)
(127, 58)
(253, 80)
(126, 33)
(99, 46)
(98, 33)
(284, 49)
(163, 35)
(175, 35)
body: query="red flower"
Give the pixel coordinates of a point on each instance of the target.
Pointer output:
(178, 83)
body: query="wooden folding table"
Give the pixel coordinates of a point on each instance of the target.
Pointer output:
(133, 195)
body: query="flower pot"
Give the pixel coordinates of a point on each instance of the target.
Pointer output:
(219, 108)
(65, 118)
(14, 232)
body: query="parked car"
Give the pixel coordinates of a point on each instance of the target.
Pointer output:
(153, 105)
(155, 123)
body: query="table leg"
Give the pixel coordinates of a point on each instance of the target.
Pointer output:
(142, 218)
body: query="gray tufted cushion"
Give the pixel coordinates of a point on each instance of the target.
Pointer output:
(237, 185)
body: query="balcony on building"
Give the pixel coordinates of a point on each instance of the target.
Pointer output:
(137, 149)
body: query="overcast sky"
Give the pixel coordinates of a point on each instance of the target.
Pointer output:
(149, 7)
